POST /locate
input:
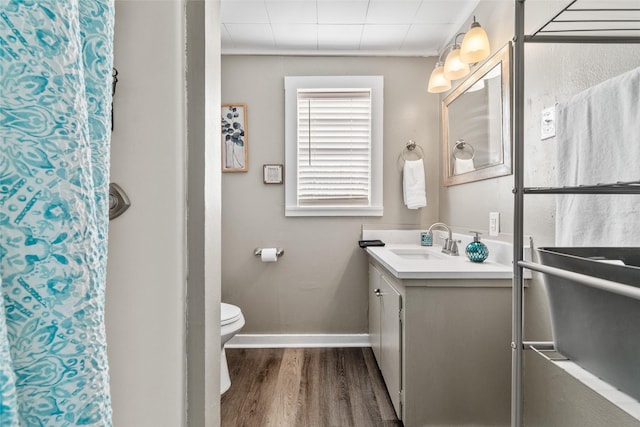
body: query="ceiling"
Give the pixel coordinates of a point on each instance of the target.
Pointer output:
(341, 27)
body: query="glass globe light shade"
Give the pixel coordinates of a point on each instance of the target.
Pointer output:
(437, 82)
(475, 45)
(454, 68)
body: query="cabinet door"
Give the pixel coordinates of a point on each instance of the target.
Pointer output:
(390, 361)
(374, 311)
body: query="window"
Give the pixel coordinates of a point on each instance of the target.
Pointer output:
(333, 146)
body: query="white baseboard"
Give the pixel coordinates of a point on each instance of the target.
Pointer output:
(298, 340)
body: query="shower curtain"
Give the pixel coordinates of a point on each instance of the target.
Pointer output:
(55, 97)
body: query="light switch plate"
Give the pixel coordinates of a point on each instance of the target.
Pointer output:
(494, 223)
(548, 123)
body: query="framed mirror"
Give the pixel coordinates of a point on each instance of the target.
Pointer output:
(476, 123)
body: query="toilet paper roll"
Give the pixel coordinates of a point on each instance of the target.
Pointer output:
(269, 255)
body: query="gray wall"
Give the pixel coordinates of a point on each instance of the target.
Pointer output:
(196, 331)
(320, 284)
(204, 218)
(146, 283)
(553, 74)
(163, 117)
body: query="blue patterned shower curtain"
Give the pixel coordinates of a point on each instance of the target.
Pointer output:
(55, 97)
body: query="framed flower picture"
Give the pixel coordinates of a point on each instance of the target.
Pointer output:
(235, 152)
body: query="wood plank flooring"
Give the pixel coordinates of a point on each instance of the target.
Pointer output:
(306, 387)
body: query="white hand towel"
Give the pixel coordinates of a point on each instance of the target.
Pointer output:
(463, 166)
(413, 185)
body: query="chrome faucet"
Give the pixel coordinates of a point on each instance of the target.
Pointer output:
(453, 247)
(449, 246)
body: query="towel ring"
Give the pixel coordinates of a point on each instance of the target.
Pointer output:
(410, 147)
(463, 150)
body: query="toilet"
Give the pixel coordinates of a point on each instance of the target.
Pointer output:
(231, 321)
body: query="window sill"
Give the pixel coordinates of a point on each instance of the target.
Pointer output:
(333, 211)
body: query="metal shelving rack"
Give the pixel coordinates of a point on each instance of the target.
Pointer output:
(575, 23)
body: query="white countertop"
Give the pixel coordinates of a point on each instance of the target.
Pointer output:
(407, 260)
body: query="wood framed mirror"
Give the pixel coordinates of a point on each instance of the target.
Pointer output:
(476, 123)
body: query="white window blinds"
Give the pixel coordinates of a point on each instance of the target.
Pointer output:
(334, 147)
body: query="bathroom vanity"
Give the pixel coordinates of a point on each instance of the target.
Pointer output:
(440, 329)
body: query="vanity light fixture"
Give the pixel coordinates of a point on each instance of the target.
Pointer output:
(474, 48)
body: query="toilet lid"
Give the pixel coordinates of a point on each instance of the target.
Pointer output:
(229, 313)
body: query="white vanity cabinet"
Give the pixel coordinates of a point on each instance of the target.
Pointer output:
(385, 332)
(443, 348)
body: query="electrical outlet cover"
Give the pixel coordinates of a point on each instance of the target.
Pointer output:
(548, 123)
(494, 223)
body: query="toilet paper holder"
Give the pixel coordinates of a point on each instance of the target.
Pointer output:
(258, 252)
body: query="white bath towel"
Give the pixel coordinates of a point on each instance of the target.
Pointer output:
(463, 166)
(597, 142)
(415, 195)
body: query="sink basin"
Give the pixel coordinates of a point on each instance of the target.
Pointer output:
(417, 253)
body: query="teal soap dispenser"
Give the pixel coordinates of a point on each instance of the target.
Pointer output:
(476, 250)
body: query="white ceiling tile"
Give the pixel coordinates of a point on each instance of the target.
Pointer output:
(290, 11)
(405, 27)
(339, 37)
(306, 36)
(425, 38)
(243, 12)
(392, 11)
(342, 11)
(244, 36)
(438, 12)
(383, 36)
